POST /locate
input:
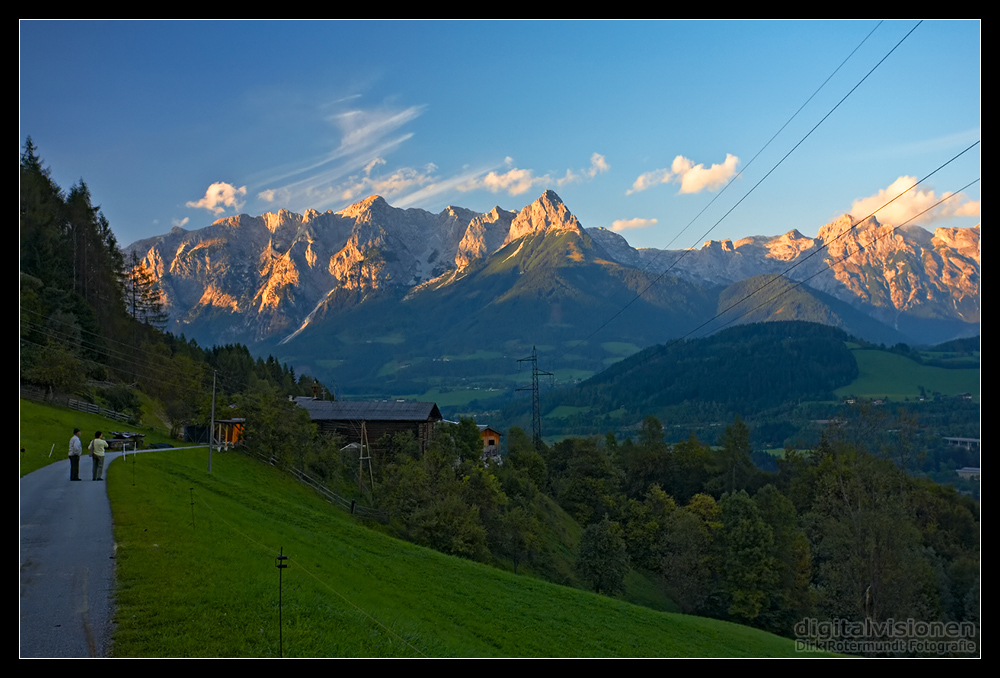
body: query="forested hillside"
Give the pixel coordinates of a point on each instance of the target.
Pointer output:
(90, 321)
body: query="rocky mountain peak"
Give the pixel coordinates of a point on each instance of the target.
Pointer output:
(311, 214)
(845, 222)
(719, 245)
(964, 240)
(545, 215)
(370, 208)
(495, 214)
(458, 214)
(273, 221)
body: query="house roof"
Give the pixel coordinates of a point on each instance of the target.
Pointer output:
(341, 410)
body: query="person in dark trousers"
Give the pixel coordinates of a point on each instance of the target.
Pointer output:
(75, 452)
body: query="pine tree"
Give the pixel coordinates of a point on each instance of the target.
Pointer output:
(45, 253)
(143, 297)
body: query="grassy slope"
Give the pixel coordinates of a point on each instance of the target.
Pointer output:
(210, 589)
(43, 426)
(888, 374)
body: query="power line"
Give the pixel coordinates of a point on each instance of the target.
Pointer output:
(754, 188)
(845, 232)
(829, 266)
(762, 148)
(841, 260)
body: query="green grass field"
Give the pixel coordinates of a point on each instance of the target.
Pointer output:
(46, 429)
(453, 398)
(887, 374)
(205, 584)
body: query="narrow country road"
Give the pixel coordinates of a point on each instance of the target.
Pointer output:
(67, 563)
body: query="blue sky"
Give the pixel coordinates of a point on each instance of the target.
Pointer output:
(637, 125)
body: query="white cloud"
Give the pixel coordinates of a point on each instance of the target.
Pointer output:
(972, 208)
(692, 178)
(181, 222)
(912, 203)
(650, 179)
(695, 178)
(375, 162)
(403, 179)
(570, 178)
(516, 180)
(221, 196)
(622, 224)
(598, 165)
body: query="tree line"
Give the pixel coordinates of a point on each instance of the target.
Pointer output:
(91, 319)
(841, 533)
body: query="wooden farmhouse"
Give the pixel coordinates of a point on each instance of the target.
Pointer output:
(380, 418)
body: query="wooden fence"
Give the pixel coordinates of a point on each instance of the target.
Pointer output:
(332, 497)
(96, 409)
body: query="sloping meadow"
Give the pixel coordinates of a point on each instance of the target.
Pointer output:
(197, 577)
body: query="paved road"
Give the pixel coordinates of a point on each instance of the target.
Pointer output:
(67, 563)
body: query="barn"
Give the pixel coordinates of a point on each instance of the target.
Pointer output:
(381, 417)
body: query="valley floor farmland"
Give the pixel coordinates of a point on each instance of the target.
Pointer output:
(884, 374)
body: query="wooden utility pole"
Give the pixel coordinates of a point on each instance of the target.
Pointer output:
(365, 456)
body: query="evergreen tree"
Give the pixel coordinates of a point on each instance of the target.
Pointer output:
(748, 566)
(44, 251)
(143, 296)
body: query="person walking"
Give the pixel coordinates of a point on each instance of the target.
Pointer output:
(75, 452)
(97, 447)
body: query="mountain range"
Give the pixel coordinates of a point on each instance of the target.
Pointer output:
(373, 291)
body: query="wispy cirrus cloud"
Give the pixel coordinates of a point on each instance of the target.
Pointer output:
(366, 137)
(692, 178)
(436, 188)
(219, 197)
(623, 224)
(912, 203)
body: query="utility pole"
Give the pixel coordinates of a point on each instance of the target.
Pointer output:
(536, 419)
(364, 455)
(211, 427)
